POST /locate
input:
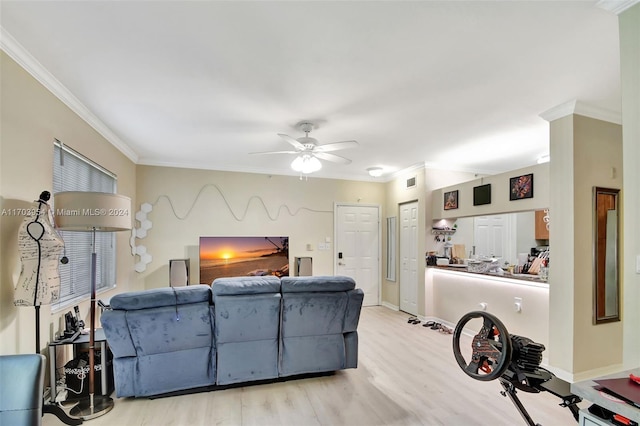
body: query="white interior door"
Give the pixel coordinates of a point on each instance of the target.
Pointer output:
(409, 258)
(492, 236)
(358, 248)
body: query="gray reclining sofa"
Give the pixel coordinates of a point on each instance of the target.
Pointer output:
(240, 329)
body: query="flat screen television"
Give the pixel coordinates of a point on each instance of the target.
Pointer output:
(482, 194)
(243, 256)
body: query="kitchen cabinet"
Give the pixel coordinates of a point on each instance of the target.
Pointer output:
(542, 224)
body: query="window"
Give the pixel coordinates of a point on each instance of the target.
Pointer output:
(74, 172)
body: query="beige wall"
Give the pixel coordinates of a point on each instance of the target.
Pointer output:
(31, 117)
(500, 202)
(396, 193)
(597, 162)
(427, 180)
(585, 153)
(214, 203)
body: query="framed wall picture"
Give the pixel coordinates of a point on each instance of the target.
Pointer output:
(451, 200)
(521, 187)
(482, 195)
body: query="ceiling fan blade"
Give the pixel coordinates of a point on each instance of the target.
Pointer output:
(332, 157)
(274, 152)
(335, 146)
(297, 145)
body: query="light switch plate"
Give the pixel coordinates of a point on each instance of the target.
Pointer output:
(638, 264)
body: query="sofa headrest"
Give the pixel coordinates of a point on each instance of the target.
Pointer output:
(245, 285)
(165, 296)
(319, 283)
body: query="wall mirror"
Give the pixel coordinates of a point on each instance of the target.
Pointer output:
(391, 248)
(605, 256)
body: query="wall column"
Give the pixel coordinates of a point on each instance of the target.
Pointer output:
(586, 151)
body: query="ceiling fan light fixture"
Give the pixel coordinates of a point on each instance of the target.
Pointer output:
(375, 171)
(306, 164)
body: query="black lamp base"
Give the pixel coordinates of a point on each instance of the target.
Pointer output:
(91, 407)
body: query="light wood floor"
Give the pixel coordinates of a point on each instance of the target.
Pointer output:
(407, 375)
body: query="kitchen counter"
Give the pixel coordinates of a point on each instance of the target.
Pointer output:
(533, 279)
(522, 305)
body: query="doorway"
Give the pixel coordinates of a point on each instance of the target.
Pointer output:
(409, 257)
(492, 236)
(357, 249)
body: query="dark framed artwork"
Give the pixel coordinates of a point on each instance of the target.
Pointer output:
(482, 195)
(521, 187)
(451, 200)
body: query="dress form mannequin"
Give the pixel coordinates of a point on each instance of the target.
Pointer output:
(40, 248)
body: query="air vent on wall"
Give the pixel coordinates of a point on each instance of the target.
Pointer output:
(411, 182)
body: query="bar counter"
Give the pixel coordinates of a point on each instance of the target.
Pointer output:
(451, 293)
(523, 277)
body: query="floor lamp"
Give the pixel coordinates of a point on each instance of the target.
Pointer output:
(92, 212)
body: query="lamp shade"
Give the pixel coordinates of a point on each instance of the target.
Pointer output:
(306, 163)
(89, 211)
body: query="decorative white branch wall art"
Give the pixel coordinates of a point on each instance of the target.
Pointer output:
(145, 224)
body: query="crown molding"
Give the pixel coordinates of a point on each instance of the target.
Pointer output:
(30, 64)
(259, 170)
(403, 172)
(581, 108)
(459, 168)
(616, 6)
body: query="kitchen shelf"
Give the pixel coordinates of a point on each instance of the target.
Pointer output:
(443, 231)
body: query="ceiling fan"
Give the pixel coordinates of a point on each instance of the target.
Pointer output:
(309, 153)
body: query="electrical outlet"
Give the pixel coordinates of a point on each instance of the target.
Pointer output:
(517, 303)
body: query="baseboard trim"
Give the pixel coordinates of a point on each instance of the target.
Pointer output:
(390, 306)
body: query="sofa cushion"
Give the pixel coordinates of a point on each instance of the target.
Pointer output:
(312, 354)
(313, 314)
(174, 371)
(165, 296)
(245, 285)
(171, 328)
(318, 283)
(247, 319)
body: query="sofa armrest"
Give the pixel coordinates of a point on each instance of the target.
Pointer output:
(354, 305)
(117, 332)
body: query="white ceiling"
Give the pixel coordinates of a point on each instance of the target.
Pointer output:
(458, 85)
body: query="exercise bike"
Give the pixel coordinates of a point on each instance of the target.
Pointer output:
(513, 360)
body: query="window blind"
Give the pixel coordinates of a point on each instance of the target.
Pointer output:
(74, 172)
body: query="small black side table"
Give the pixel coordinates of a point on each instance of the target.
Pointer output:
(99, 339)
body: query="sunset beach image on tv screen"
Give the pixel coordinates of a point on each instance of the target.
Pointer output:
(243, 256)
